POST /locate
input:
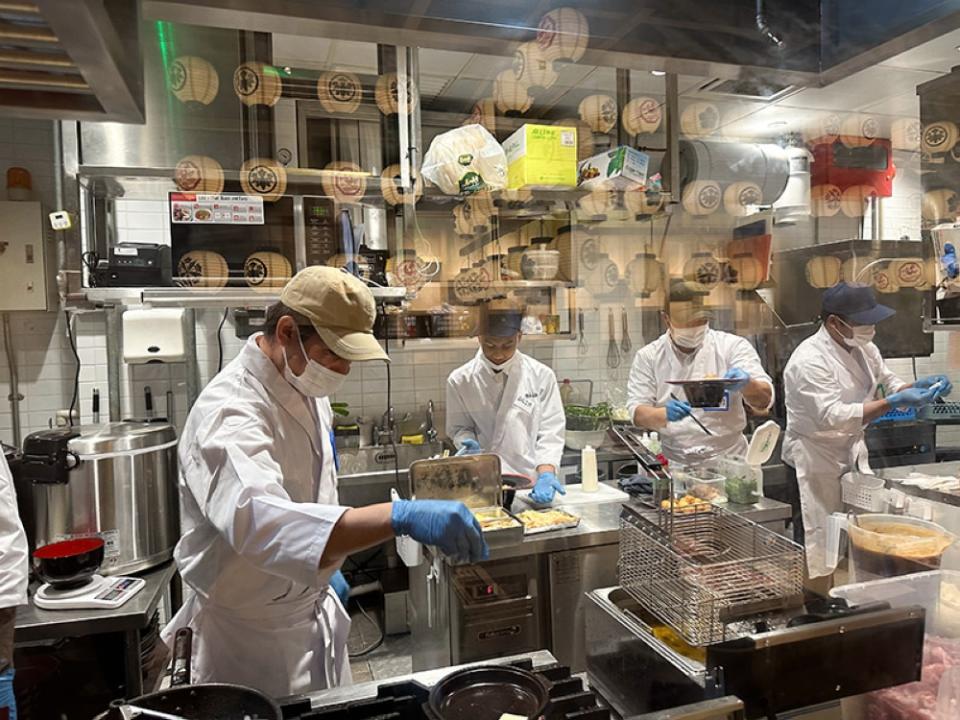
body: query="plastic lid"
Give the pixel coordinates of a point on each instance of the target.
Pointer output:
(762, 443)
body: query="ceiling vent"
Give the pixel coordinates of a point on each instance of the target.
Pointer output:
(77, 60)
(749, 88)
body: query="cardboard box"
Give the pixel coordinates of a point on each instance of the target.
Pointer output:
(620, 168)
(542, 157)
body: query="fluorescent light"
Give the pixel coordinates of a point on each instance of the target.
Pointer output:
(658, 73)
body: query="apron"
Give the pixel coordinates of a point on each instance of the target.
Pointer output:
(299, 645)
(820, 464)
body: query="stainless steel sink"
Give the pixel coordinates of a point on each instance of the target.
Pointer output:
(367, 474)
(357, 461)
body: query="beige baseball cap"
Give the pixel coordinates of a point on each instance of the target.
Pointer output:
(340, 308)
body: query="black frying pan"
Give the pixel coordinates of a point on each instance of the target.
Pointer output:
(210, 701)
(486, 692)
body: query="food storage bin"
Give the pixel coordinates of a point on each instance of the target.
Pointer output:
(935, 696)
(744, 485)
(883, 546)
(702, 483)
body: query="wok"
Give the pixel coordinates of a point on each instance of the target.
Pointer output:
(209, 701)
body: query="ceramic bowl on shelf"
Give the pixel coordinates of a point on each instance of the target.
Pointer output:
(540, 264)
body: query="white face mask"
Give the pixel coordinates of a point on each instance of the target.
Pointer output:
(316, 380)
(862, 335)
(497, 368)
(689, 338)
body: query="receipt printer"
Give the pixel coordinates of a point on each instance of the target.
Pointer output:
(134, 265)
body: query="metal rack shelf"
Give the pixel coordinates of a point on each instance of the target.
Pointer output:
(204, 297)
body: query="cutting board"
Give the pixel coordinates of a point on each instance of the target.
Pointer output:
(576, 496)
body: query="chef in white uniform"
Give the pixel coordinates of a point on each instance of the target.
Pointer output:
(14, 568)
(835, 384)
(263, 532)
(505, 402)
(691, 349)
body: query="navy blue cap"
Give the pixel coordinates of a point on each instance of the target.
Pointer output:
(856, 303)
(501, 323)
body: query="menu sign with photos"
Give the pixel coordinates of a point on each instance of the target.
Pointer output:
(221, 209)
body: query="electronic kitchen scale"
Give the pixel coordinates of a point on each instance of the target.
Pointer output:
(99, 592)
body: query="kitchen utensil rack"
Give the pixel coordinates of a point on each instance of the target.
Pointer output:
(709, 570)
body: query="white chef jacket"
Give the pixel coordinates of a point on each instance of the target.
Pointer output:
(258, 492)
(825, 387)
(516, 413)
(14, 561)
(656, 363)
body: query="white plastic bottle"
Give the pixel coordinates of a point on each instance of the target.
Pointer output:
(588, 470)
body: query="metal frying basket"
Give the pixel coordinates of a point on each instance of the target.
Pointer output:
(711, 569)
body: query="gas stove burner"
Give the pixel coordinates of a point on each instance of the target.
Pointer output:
(407, 700)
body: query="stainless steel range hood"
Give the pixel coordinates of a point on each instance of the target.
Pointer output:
(822, 40)
(71, 59)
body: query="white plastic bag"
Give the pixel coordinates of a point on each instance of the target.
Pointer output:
(466, 160)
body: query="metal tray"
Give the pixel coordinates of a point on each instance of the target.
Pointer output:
(501, 537)
(572, 523)
(474, 480)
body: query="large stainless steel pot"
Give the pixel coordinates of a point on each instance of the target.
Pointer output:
(117, 481)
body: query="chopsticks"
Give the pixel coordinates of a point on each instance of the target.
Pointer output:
(693, 417)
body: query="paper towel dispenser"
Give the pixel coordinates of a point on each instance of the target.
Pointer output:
(155, 335)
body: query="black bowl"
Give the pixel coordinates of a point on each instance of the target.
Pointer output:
(512, 483)
(69, 564)
(704, 393)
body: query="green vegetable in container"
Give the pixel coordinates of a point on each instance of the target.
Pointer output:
(742, 490)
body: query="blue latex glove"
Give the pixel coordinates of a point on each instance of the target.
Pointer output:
(545, 488)
(949, 260)
(740, 376)
(447, 524)
(469, 447)
(912, 397)
(677, 410)
(931, 380)
(341, 587)
(7, 701)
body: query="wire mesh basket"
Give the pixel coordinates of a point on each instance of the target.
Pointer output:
(710, 570)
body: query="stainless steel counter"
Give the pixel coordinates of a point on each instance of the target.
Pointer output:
(600, 525)
(36, 625)
(427, 678)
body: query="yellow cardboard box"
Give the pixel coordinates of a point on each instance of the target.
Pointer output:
(542, 157)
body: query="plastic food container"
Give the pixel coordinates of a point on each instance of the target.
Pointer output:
(540, 264)
(703, 484)
(936, 695)
(744, 485)
(883, 546)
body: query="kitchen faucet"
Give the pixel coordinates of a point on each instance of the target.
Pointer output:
(430, 431)
(388, 427)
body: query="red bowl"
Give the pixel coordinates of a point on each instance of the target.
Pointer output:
(70, 563)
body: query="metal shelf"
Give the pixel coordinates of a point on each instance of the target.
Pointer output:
(205, 298)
